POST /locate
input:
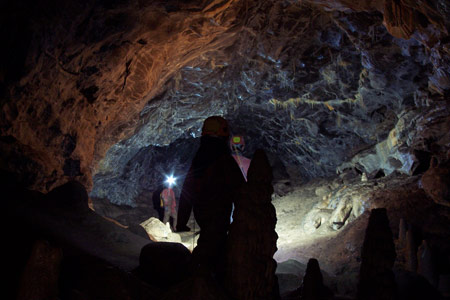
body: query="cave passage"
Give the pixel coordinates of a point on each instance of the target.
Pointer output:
(101, 100)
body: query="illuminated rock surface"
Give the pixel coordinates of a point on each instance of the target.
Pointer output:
(99, 83)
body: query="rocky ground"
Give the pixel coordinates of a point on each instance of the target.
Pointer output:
(326, 219)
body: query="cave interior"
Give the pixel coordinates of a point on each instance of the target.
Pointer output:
(349, 100)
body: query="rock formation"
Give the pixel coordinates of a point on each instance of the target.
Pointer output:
(251, 244)
(164, 264)
(95, 86)
(426, 263)
(402, 229)
(376, 279)
(436, 182)
(312, 287)
(159, 231)
(85, 256)
(40, 276)
(411, 251)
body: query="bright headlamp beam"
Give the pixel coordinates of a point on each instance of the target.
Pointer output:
(170, 180)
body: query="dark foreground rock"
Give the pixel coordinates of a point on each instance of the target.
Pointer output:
(436, 182)
(59, 248)
(312, 287)
(40, 277)
(250, 272)
(164, 264)
(376, 279)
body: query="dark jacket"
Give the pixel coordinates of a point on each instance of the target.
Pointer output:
(210, 150)
(213, 181)
(156, 198)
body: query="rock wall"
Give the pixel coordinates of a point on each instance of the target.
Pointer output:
(313, 83)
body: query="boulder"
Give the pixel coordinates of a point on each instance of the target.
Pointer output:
(71, 195)
(160, 232)
(282, 187)
(322, 191)
(164, 264)
(139, 230)
(341, 213)
(315, 219)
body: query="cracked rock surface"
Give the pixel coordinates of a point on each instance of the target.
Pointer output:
(97, 84)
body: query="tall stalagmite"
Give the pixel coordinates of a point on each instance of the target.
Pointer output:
(376, 279)
(252, 238)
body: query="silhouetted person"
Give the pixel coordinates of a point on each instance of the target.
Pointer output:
(209, 186)
(185, 203)
(158, 205)
(215, 133)
(237, 145)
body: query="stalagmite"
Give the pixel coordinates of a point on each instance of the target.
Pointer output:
(411, 251)
(402, 232)
(364, 177)
(252, 238)
(426, 266)
(312, 287)
(376, 279)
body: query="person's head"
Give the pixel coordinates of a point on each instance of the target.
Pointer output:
(216, 126)
(237, 143)
(213, 144)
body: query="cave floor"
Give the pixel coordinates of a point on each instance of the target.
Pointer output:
(338, 250)
(296, 247)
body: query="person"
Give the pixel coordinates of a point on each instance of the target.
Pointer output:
(206, 154)
(185, 204)
(209, 186)
(237, 145)
(157, 204)
(170, 206)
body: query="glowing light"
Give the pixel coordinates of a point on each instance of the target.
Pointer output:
(170, 180)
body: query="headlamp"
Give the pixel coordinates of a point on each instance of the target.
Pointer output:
(170, 180)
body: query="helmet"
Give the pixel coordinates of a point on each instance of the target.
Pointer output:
(237, 142)
(216, 126)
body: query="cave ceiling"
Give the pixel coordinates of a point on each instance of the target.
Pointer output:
(115, 88)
